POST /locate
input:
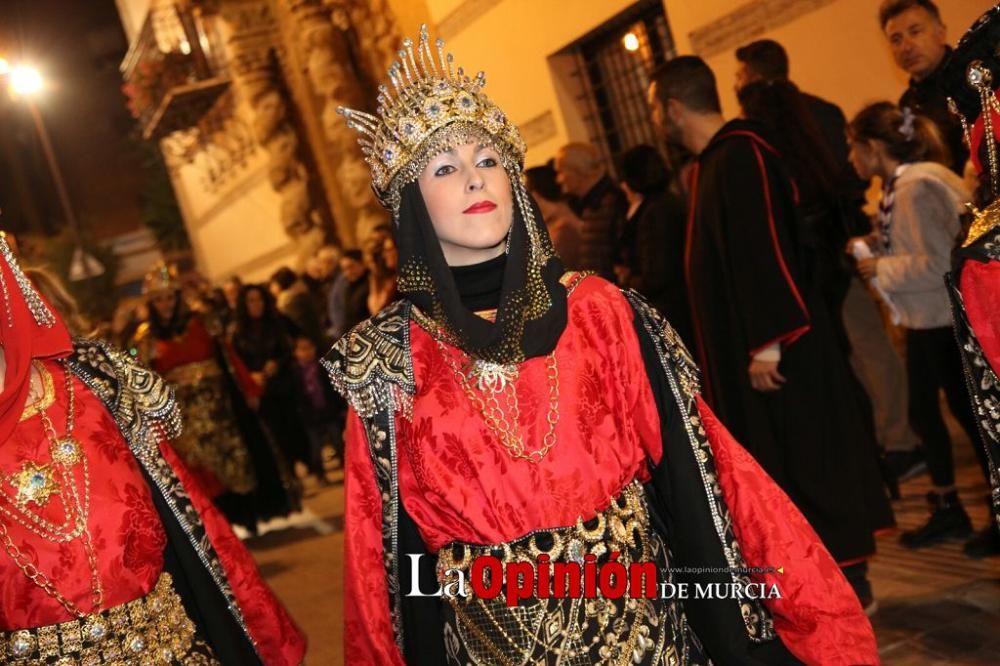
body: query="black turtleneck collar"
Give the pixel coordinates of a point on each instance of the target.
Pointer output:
(479, 285)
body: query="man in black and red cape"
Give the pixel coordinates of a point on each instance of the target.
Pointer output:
(773, 369)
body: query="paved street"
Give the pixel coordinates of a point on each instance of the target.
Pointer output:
(305, 568)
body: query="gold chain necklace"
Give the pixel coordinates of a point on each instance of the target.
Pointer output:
(34, 484)
(37, 483)
(494, 379)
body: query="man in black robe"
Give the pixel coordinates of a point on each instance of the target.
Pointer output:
(773, 368)
(872, 354)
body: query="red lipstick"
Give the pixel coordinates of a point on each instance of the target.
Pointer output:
(480, 207)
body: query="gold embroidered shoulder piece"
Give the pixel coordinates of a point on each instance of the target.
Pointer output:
(371, 365)
(139, 399)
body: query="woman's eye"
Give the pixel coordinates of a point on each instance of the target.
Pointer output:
(444, 170)
(487, 162)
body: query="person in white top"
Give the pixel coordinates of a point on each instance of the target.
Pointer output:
(918, 225)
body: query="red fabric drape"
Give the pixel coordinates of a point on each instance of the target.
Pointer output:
(279, 641)
(819, 618)
(980, 287)
(22, 339)
(125, 529)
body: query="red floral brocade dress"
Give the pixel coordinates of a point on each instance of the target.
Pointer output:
(459, 484)
(126, 532)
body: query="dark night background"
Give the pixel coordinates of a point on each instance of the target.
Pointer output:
(77, 45)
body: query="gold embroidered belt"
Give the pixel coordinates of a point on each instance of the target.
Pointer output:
(584, 630)
(153, 629)
(192, 373)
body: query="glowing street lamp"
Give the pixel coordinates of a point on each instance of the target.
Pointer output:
(25, 80)
(630, 42)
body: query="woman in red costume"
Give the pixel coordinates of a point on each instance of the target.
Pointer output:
(506, 408)
(972, 74)
(223, 443)
(110, 552)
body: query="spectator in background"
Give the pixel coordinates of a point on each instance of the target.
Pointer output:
(262, 337)
(599, 203)
(231, 291)
(292, 297)
(321, 409)
(317, 280)
(781, 110)
(919, 221)
(329, 255)
(651, 253)
(833, 198)
(918, 40)
(379, 252)
(772, 367)
(348, 304)
(562, 223)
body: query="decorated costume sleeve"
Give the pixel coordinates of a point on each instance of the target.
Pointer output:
(368, 633)
(278, 641)
(818, 616)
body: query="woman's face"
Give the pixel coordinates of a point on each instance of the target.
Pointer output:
(275, 289)
(165, 303)
(255, 304)
(390, 254)
(468, 196)
(864, 158)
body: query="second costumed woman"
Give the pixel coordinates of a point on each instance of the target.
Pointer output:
(506, 408)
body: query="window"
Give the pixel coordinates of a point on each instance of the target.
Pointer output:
(612, 66)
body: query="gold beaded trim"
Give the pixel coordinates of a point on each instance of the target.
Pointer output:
(152, 629)
(47, 398)
(983, 221)
(622, 527)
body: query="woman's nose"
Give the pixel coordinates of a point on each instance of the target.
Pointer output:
(474, 183)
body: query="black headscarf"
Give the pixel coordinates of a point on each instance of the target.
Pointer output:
(532, 309)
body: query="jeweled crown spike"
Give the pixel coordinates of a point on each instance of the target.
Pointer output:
(427, 96)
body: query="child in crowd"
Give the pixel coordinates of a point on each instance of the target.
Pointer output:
(919, 221)
(321, 409)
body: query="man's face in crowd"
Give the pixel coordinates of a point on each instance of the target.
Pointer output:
(744, 76)
(918, 41)
(569, 178)
(351, 268)
(664, 125)
(231, 289)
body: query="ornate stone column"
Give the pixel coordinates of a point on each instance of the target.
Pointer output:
(251, 43)
(343, 44)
